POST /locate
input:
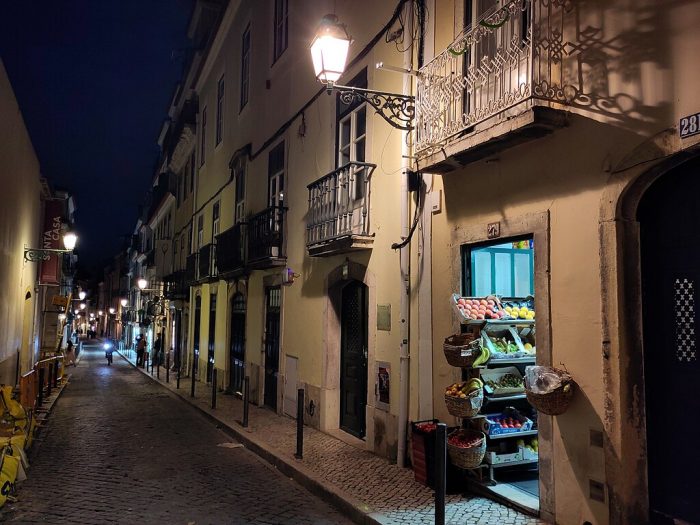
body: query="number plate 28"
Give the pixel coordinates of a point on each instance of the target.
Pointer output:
(690, 125)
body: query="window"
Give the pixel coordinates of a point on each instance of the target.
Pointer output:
(219, 110)
(200, 231)
(203, 132)
(503, 268)
(245, 66)
(275, 170)
(352, 137)
(239, 169)
(215, 222)
(281, 27)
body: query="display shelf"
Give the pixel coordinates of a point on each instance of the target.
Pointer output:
(497, 322)
(532, 432)
(513, 397)
(514, 463)
(515, 361)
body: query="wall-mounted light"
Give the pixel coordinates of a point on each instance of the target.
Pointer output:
(142, 283)
(82, 295)
(82, 306)
(112, 310)
(329, 52)
(124, 302)
(100, 312)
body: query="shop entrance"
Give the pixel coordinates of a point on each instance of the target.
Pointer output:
(237, 348)
(195, 342)
(273, 301)
(503, 272)
(353, 358)
(670, 260)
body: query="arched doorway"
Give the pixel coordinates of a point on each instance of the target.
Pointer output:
(670, 271)
(237, 344)
(353, 358)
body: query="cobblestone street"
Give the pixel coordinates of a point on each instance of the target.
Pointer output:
(118, 448)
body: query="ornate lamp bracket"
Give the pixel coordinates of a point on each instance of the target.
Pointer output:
(397, 110)
(43, 254)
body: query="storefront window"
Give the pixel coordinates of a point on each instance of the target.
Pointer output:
(505, 269)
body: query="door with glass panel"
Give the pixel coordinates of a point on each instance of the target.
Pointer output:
(237, 344)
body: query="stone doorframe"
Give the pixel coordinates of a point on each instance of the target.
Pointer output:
(537, 225)
(330, 353)
(622, 337)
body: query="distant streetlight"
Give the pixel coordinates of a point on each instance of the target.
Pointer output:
(124, 302)
(81, 295)
(82, 306)
(142, 283)
(100, 312)
(111, 310)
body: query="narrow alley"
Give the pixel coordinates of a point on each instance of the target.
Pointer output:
(119, 448)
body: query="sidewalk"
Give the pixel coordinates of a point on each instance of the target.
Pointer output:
(363, 486)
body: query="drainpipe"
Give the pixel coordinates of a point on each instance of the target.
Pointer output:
(405, 258)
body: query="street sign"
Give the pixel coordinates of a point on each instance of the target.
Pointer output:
(689, 125)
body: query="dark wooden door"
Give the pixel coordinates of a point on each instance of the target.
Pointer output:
(237, 347)
(212, 337)
(670, 254)
(273, 295)
(197, 321)
(353, 358)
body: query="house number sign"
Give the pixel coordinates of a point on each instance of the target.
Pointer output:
(493, 230)
(690, 125)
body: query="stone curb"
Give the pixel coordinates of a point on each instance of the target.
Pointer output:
(351, 508)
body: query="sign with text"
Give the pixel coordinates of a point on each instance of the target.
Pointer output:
(51, 240)
(690, 125)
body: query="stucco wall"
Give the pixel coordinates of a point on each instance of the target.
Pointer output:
(20, 211)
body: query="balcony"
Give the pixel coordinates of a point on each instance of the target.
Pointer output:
(501, 83)
(207, 263)
(338, 218)
(176, 285)
(191, 268)
(231, 251)
(265, 238)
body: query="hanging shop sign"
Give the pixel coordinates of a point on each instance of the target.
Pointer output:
(51, 240)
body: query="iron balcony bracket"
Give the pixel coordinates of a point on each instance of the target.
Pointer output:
(397, 110)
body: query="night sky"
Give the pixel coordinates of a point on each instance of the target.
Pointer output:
(93, 79)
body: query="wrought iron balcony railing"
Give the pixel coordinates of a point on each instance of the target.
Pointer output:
(191, 268)
(265, 238)
(207, 262)
(231, 249)
(339, 204)
(176, 285)
(527, 49)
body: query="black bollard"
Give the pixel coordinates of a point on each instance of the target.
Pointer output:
(440, 472)
(49, 383)
(300, 424)
(178, 378)
(55, 374)
(192, 388)
(213, 388)
(40, 394)
(157, 368)
(167, 368)
(246, 398)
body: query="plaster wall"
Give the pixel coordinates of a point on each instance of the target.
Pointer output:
(20, 214)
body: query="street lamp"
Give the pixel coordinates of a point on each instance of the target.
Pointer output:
(82, 306)
(329, 52)
(100, 312)
(81, 295)
(112, 310)
(142, 283)
(44, 254)
(124, 302)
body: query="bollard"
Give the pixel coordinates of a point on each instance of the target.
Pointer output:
(300, 424)
(440, 472)
(213, 388)
(192, 387)
(246, 397)
(157, 368)
(55, 374)
(178, 378)
(49, 383)
(167, 368)
(40, 398)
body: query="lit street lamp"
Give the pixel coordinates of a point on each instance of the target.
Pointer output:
(111, 310)
(82, 295)
(44, 254)
(124, 302)
(329, 52)
(82, 306)
(142, 283)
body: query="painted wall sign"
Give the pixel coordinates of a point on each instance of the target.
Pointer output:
(51, 239)
(689, 125)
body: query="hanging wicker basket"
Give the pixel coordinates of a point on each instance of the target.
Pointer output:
(465, 407)
(467, 458)
(462, 350)
(555, 402)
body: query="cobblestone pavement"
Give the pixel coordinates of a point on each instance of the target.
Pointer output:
(386, 492)
(118, 448)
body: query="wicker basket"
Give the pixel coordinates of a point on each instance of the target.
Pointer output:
(465, 407)
(467, 458)
(462, 350)
(555, 402)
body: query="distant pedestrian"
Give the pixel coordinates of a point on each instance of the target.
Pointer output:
(70, 354)
(140, 351)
